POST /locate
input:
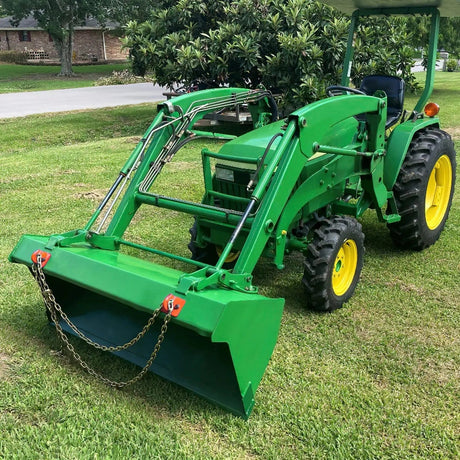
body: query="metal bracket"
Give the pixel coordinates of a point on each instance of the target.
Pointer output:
(210, 276)
(83, 237)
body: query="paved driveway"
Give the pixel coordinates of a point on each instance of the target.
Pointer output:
(61, 100)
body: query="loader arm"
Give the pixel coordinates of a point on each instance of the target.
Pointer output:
(305, 131)
(178, 118)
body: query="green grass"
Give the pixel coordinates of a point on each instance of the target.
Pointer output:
(18, 78)
(445, 94)
(376, 379)
(46, 130)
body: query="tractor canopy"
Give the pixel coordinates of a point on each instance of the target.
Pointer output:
(447, 8)
(433, 8)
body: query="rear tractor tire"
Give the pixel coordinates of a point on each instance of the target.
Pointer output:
(424, 190)
(333, 263)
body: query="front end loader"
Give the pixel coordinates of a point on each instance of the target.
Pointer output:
(299, 183)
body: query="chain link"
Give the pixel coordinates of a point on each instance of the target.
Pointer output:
(55, 311)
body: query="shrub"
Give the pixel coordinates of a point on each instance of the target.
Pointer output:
(120, 78)
(451, 65)
(13, 57)
(293, 47)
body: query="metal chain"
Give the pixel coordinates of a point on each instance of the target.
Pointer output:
(55, 311)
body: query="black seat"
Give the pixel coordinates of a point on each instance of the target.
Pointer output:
(394, 89)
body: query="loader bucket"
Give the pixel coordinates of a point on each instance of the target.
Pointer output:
(218, 346)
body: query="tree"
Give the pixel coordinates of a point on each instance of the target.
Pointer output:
(449, 36)
(293, 47)
(58, 18)
(124, 11)
(449, 33)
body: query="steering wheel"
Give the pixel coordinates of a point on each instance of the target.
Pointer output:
(338, 90)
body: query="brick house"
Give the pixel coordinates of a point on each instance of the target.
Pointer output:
(92, 42)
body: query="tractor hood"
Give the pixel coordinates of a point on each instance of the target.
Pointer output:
(252, 145)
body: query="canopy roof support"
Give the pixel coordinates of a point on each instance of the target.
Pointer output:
(432, 46)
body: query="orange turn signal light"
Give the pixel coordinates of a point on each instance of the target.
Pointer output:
(431, 109)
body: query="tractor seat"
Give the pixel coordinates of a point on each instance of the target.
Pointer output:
(394, 89)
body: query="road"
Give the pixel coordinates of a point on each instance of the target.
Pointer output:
(63, 100)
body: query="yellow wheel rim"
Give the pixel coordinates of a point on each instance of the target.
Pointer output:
(438, 192)
(230, 258)
(344, 268)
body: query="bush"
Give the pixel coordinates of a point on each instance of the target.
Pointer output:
(120, 78)
(451, 65)
(293, 47)
(13, 57)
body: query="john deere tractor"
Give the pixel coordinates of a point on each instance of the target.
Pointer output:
(296, 184)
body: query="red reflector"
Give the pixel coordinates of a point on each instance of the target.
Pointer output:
(45, 256)
(175, 302)
(431, 109)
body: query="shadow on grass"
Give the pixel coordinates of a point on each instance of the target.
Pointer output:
(445, 92)
(164, 398)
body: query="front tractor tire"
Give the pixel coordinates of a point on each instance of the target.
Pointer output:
(424, 190)
(210, 253)
(333, 263)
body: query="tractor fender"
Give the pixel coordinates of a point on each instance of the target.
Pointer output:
(398, 145)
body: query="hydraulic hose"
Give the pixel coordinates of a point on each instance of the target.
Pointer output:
(262, 160)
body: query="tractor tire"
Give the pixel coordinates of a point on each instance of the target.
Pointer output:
(333, 263)
(424, 190)
(209, 254)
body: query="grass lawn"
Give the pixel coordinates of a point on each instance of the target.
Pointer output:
(18, 78)
(377, 379)
(446, 94)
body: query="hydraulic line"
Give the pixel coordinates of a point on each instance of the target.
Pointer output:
(262, 160)
(235, 233)
(248, 210)
(173, 144)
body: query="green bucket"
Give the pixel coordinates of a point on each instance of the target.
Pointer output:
(218, 346)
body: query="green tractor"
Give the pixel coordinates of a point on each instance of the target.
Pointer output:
(295, 184)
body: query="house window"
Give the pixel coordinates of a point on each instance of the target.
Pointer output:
(24, 36)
